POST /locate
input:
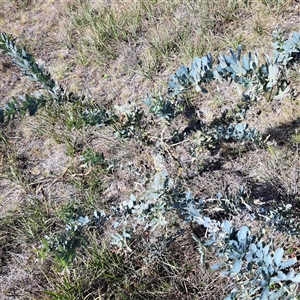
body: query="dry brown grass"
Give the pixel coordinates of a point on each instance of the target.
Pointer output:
(116, 52)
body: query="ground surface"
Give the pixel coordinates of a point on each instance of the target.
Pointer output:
(115, 52)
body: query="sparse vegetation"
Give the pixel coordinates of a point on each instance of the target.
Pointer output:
(119, 181)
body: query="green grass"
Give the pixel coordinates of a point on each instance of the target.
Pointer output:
(154, 33)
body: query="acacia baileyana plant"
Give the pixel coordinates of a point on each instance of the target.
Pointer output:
(267, 78)
(257, 268)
